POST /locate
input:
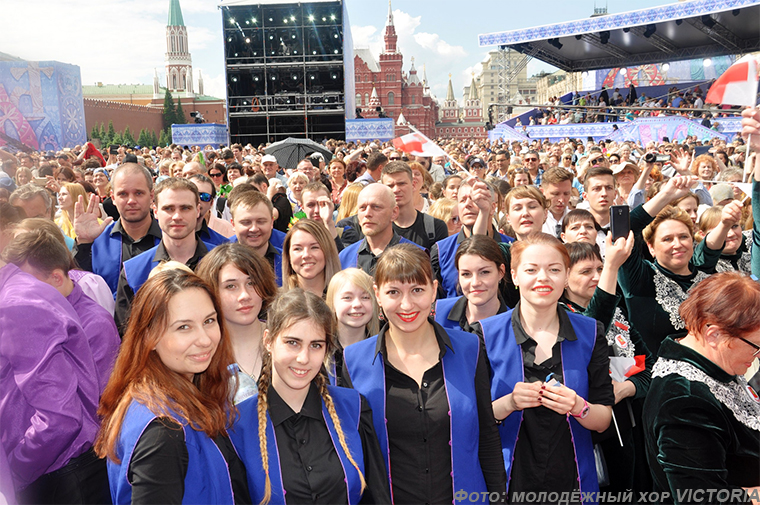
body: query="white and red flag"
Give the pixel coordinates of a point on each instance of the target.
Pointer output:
(418, 145)
(737, 85)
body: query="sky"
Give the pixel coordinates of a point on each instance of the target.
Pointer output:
(124, 41)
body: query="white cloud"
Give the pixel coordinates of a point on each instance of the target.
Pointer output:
(433, 42)
(213, 84)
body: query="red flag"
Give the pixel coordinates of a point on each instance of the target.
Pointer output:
(737, 85)
(418, 145)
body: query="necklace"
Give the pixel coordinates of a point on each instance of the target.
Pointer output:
(245, 372)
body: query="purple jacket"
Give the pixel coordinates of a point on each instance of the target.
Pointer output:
(48, 388)
(101, 333)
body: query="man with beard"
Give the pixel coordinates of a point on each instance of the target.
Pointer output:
(102, 248)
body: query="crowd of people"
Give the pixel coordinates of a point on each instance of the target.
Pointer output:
(610, 104)
(191, 324)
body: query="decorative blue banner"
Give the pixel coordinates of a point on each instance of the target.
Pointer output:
(369, 129)
(200, 134)
(641, 130)
(41, 104)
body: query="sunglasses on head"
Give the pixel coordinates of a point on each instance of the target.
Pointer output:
(205, 197)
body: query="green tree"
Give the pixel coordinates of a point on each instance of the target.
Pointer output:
(162, 139)
(179, 114)
(127, 137)
(95, 133)
(112, 133)
(153, 138)
(169, 113)
(117, 139)
(143, 139)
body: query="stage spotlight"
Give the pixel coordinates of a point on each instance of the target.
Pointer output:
(273, 77)
(650, 31)
(247, 40)
(294, 76)
(336, 51)
(333, 75)
(247, 22)
(332, 16)
(232, 21)
(234, 79)
(578, 37)
(707, 62)
(708, 21)
(555, 43)
(292, 18)
(236, 55)
(623, 71)
(229, 39)
(679, 22)
(666, 66)
(253, 20)
(256, 78)
(626, 30)
(735, 12)
(285, 20)
(313, 52)
(604, 36)
(311, 17)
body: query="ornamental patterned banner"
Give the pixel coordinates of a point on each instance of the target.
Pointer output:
(369, 129)
(200, 134)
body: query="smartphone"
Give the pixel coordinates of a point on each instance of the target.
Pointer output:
(620, 221)
(40, 181)
(700, 150)
(114, 149)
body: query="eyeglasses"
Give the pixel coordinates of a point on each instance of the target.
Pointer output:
(214, 175)
(205, 197)
(754, 346)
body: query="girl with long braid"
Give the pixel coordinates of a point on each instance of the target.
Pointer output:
(302, 440)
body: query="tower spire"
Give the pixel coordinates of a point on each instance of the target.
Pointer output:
(390, 14)
(175, 14)
(390, 36)
(450, 92)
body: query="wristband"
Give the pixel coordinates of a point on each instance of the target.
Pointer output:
(584, 411)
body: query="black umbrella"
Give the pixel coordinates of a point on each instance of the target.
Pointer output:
(291, 150)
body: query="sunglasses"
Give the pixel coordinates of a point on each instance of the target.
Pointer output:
(217, 174)
(530, 159)
(754, 346)
(596, 161)
(205, 197)
(395, 159)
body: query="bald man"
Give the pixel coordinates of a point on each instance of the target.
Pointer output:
(377, 210)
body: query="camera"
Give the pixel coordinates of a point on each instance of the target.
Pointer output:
(650, 157)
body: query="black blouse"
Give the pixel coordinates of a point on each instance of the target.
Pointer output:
(159, 465)
(419, 430)
(311, 469)
(544, 455)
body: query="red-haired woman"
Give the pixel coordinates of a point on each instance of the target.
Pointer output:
(167, 407)
(550, 377)
(299, 437)
(701, 419)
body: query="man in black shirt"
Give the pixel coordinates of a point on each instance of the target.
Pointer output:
(413, 225)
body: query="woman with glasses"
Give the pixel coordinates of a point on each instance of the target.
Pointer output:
(701, 419)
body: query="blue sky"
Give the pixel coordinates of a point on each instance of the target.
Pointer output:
(123, 41)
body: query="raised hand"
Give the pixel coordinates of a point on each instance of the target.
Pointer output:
(86, 225)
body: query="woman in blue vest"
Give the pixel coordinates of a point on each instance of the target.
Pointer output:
(245, 285)
(481, 269)
(302, 440)
(166, 408)
(309, 257)
(550, 377)
(428, 388)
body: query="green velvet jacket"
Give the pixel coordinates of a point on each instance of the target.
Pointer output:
(702, 428)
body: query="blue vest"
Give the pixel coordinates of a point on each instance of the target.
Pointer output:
(245, 438)
(367, 373)
(277, 258)
(107, 257)
(276, 239)
(138, 268)
(207, 479)
(442, 309)
(349, 255)
(213, 237)
(447, 250)
(508, 369)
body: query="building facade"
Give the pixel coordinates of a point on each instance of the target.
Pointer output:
(462, 123)
(402, 96)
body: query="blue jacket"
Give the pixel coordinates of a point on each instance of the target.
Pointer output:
(349, 256)
(245, 437)
(207, 479)
(278, 256)
(137, 269)
(366, 370)
(107, 256)
(507, 369)
(442, 309)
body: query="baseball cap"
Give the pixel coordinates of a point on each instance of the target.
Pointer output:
(475, 160)
(267, 158)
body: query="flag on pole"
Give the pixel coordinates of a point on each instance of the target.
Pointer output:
(418, 145)
(737, 85)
